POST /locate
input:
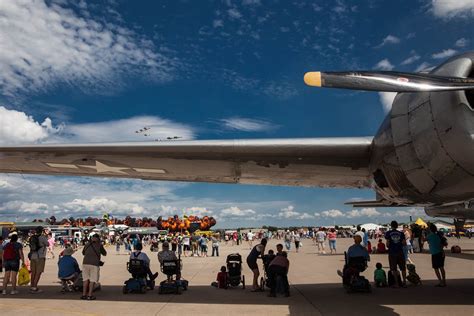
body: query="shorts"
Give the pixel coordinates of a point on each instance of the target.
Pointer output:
(437, 260)
(37, 265)
(11, 265)
(397, 259)
(186, 247)
(90, 272)
(332, 244)
(297, 244)
(252, 265)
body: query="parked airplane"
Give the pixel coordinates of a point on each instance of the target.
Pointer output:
(422, 155)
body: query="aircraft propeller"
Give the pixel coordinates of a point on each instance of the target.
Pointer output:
(388, 81)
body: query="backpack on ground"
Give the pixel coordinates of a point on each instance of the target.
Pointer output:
(391, 278)
(9, 252)
(34, 243)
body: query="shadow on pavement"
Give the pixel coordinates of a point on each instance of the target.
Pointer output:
(306, 299)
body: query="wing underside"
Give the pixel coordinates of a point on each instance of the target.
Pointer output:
(323, 162)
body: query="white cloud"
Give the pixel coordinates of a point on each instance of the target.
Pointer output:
(25, 207)
(284, 29)
(462, 42)
(290, 213)
(444, 54)
(384, 64)
(234, 13)
(423, 67)
(234, 211)
(19, 128)
(251, 2)
(332, 213)
(386, 98)
(389, 39)
(363, 212)
(44, 44)
(217, 23)
(453, 8)
(280, 90)
(410, 60)
(247, 124)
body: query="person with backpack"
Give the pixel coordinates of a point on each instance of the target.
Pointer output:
(437, 242)
(38, 246)
(91, 264)
(12, 254)
(395, 243)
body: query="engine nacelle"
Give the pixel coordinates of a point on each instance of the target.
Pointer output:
(424, 151)
(461, 211)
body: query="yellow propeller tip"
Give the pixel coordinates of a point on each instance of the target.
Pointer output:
(313, 78)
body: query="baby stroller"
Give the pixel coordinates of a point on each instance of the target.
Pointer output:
(266, 263)
(234, 268)
(138, 283)
(172, 285)
(351, 278)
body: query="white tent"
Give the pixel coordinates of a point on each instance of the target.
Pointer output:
(371, 226)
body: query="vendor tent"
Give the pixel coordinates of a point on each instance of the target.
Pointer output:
(371, 226)
(421, 223)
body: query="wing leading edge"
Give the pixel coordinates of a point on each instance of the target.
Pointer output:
(323, 162)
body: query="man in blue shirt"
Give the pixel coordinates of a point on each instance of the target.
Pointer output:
(437, 254)
(395, 243)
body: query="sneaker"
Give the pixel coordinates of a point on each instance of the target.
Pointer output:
(154, 276)
(35, 291)
(14, 292)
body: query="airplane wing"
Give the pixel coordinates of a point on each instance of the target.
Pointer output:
(323, 162)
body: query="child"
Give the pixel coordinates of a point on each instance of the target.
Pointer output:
(413, 277)
(380, 278)
(381, 247)
(222, 278)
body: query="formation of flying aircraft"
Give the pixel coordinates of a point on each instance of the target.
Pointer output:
(422, 154)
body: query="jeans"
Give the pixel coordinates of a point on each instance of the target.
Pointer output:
(288, 244)
(215, 250)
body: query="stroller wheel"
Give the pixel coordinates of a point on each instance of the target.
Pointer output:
(243, 282)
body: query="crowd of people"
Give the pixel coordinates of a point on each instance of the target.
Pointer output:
(398, 244)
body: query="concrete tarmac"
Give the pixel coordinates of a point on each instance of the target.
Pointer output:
(315, 289)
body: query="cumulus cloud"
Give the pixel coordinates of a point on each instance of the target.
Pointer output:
(234, 211)
(384, 64)
(23, 207)
(18, 128)
(290, 213)
(389, 39)
(363, 212)
(386, 98)
(410, 60)
(44, 43)
(423, 67)
(462, 42)
(332, 213)
(247, 124)
(444, 54)
(452, 8)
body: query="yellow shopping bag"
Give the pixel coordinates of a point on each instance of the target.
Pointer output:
(23, 275)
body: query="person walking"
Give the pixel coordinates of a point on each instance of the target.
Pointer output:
(12, 255)
(320, 239)
(91, 263)
(287, 239)
(436, 242)
(38, 246)
(215, 246)
(332, 235)
(297, 240)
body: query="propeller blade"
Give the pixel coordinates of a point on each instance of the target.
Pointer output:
(388, 81)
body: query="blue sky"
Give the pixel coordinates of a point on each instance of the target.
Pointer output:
(97, 71)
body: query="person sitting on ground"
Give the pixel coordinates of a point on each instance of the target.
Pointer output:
(139, 255)
(222, 279)
(256, 252)
(381, 247)
(68, 268)
(380, 277)
(279, 268)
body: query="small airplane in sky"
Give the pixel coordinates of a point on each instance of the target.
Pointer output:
(422, 154)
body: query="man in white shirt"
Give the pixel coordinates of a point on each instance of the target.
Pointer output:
(250, 238)
(139, 255)
(362, 236)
